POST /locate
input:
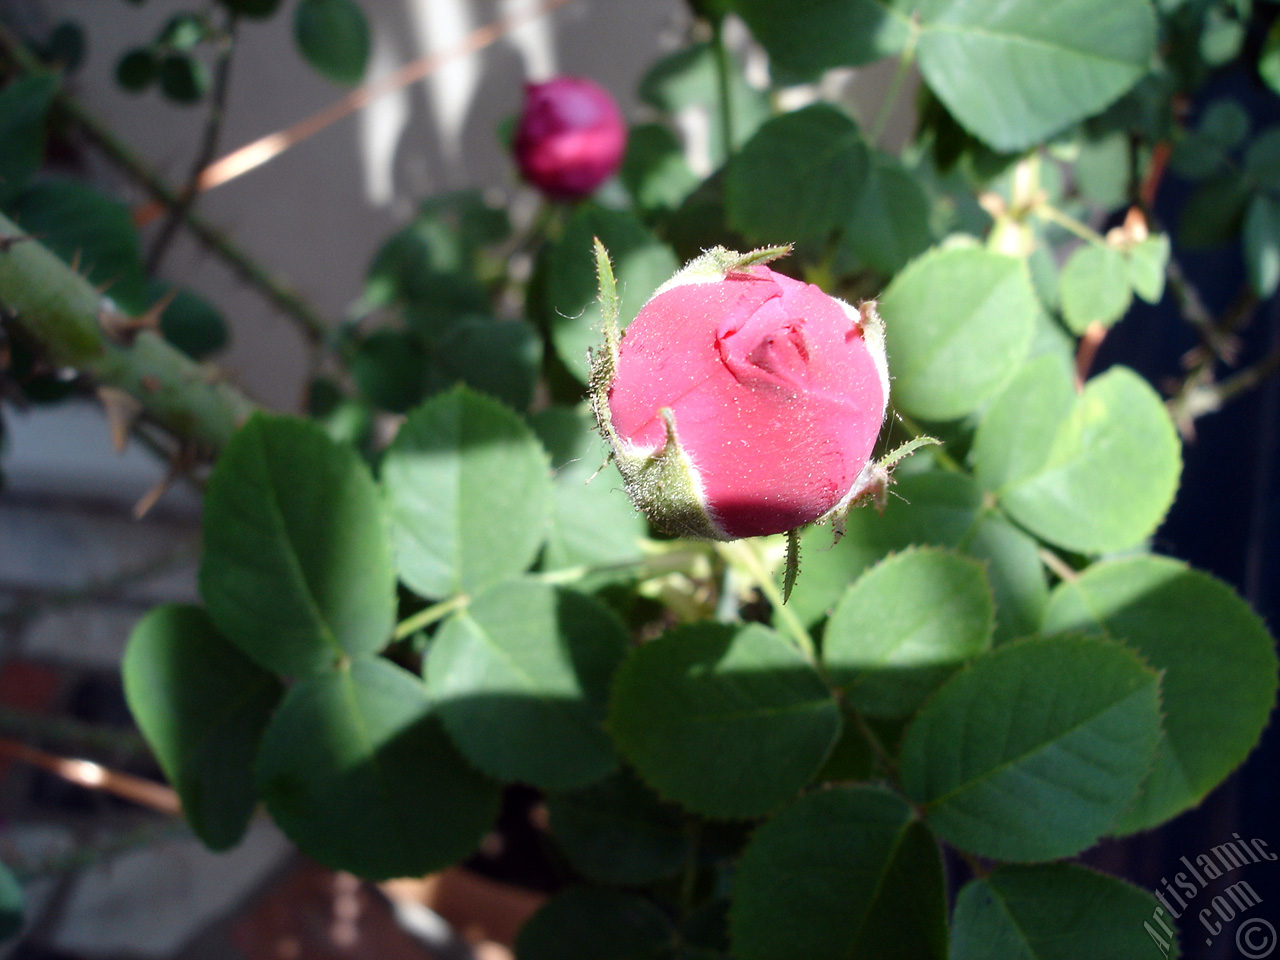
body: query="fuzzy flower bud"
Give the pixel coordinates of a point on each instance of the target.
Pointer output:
(741, 402)
(571, 137)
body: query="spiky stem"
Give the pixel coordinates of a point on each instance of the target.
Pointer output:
(63, 312)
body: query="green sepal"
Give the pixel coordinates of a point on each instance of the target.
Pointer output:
(793, 563)
(604, 362)
(665, 487)
(719, 262)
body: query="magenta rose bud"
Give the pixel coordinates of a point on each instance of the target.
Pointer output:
(570, 138)
(741, 402)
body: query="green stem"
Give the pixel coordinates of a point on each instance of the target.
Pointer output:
(745, 555)
(905, 62)
(208, 148)
(1059, 567)
(1046, 211)
(432, 614)
(62, 312)
(675, 561)
(723, 76)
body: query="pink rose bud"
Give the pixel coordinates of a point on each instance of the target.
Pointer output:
(571, 137)
(741, 402)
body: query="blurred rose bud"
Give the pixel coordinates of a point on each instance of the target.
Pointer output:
(570, 138)
(741, 402)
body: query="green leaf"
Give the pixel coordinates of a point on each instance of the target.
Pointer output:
(1212, 650)
(1060, 911)
(939, 509)
(1262, 244)
(1221, 37)
(429, 266)
(182, 31)
(1269, 60)
(798, 177)
(584, 923)
(730, 722)
(12, 904)
(1101, 169)
(521, 679)
(333, 36)
(1012, 561)
(1094, 287)
(958, 322)
(65, 48)
(469, 492)
(183, 78)
(890, 222)
(845, 872)
(202, 706)
(640, 262)
(360, 775)
(256, 9)
(1036, 749)
(592, 520)
(1224, 123)
(137, 69)
(1093, 472)
(81, 224)
(193, 325)
(654, 169)
(904, 626)
(619, 832)
(346, 420)
(24, 110)
(689, 79)
(296, 569)
(806, 37)
(1015, 73)
(499, 357)
(1148, 261)
(390, 368)
(1213, 213)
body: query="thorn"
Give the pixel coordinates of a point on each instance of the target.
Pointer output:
(182, 461)
(152, 496)
(114, 324)
(75, 264)
(150, 319)
(122, 412)
(122, 329)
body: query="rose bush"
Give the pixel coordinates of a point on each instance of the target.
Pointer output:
(423, 619)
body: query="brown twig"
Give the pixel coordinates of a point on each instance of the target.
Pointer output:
(264, 149)
(208, 147)
(1200, 397)
(94, 776)
(1087, 351)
